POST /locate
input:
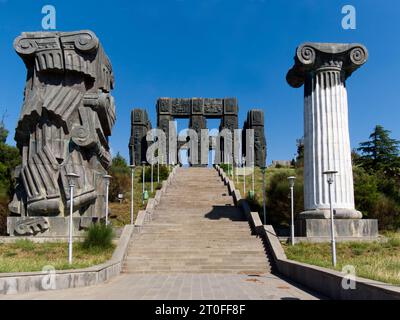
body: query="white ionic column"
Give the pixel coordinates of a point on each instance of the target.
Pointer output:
(323, 69)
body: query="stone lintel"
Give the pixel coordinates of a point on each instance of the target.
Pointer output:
(186, 107)
(312, 57)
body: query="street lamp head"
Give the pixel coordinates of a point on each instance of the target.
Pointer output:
(291, 181)
(107, 178)
(330, 175)
(132, 166)
(263, 168)
(144, 163)
(72, 177)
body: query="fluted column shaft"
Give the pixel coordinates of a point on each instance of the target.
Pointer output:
(326, 141)
(323, 69)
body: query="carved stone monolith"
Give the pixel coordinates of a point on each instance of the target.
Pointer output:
(66, 119)
(140, 125)
(255, 122)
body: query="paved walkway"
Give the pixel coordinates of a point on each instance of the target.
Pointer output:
(198, 246)
(180, 287)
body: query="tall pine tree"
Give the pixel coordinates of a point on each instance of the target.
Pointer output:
(380, 152)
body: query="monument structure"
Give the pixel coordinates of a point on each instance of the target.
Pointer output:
(197, 110)
(66, 119)
(323, 69)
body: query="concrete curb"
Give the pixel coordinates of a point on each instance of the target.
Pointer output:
(325, 281)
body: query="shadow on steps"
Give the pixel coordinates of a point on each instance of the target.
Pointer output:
(225, 212)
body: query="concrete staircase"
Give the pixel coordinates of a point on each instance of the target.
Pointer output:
(196, 228)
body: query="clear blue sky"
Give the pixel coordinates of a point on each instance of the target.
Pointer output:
(219, 48)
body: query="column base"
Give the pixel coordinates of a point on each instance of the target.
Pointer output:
(326, 214)
(47, 226)
(352, 228)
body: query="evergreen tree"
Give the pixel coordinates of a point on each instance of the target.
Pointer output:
(9, 159)
(120, 181)
(380, 152)
(300, 153)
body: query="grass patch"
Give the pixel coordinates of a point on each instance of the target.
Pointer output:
(377, 260)
(120, 212)
(26, 256)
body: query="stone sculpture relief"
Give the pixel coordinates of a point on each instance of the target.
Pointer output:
(66, 119)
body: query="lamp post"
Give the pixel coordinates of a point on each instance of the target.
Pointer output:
(132, 166)
(252, 172)
(158, 170)
(264, 197)
(244, 175)
(237, 174)
(252, 194)
(71, 181)
(107, 182)
(151, 179)
(143, 188)
(291, 185)
(330, 174)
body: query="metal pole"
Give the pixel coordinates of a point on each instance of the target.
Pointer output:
(264, 202)
(158, 171)
(292, 215)
(330, 181)
(252, 178)
(237, 174)
(152, 171)
(143, 168)
(71, 212)
(132, 178)
(244, 177)
(107, 189)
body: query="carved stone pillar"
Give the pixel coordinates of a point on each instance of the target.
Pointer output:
(164, 117)
(197, 123)
(64, 126)
(140, 125)
(255, 121)
(229, 122)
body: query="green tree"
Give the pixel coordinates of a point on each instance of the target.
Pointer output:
(9, 159)
(299, 163)
(120, 181)
(366, 191)
(380, 152)
(278, 197)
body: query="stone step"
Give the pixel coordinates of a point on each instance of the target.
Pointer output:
(196, 229)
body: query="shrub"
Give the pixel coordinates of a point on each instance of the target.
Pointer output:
(98, 236)
(3, 215)
(119, 183)
(366, 191)
(278, 197)
(163, 173)
(377, 197)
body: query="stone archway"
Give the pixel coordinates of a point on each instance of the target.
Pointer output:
(197, 111)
